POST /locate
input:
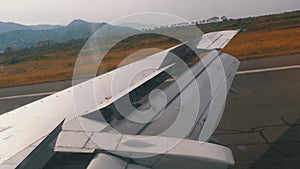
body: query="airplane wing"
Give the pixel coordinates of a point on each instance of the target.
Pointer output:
(162, 117)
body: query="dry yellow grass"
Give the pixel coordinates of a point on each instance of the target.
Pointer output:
(250, 45)
(35, 72)
(246, 45)
(62, 69)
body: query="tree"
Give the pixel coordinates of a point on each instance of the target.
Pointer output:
(212, 20)
(8, 49)
(45, 43)
(224, 18)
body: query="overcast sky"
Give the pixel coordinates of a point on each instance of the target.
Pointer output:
(64, 11)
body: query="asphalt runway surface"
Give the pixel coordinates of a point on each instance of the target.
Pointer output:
(261, 124)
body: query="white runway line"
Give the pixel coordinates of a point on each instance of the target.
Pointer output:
(268, 69)
(26, 95)
(238, 73)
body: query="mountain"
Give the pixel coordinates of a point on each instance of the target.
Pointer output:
(77, 22)
(138, 26)
(44, 27)
(10, 26)
(75, 29)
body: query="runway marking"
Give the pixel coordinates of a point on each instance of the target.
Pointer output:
(26, 95)
(238, 73)
(268, 69)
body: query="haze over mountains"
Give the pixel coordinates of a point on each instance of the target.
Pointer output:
(138, 26)
(15, 35)
(10, 26)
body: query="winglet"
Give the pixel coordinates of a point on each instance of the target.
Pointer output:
(217, 40)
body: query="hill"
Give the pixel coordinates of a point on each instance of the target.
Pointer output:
(10, 26)
(138, 26)
(262, 23)
(76, 29)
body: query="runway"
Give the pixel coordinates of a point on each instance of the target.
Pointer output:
(14, 97)
(261, 124)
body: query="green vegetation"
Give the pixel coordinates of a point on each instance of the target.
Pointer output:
(62, 50)
(261, 23)
(265, 36)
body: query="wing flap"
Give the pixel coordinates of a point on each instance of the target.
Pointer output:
(153, 153)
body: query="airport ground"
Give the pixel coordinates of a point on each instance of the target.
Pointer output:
(261, 124)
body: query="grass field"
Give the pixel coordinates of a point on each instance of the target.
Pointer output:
(257, 44)
(54, 68)
(57, 65)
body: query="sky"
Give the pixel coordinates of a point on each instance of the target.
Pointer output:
(32, 12)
